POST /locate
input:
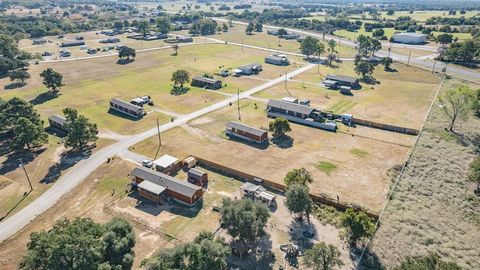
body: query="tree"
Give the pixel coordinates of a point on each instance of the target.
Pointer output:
(52, 80)
(204, 27)
(429, 262)
(298, 177)
(163, 25)
(322, 256)
(378, 32)
(205, 252)
(244, 219)
(279, 127)
(11, 57)
(81, 244)
(118, 25)
(175, 48)
(358, 224)
(331, 50)
(390, 12)
(250, 28)
(80, 130)
(368, 46)
(310, 46)
(258, 27)
(474, 171)
(14, 109)
(127, 52)
(282, 32)
(387, 61)
(298, 200)
(26, 133)
(181, 77)
(19, 75)
(444, 39)
(456, 102)
(365, 68)
(143, 27)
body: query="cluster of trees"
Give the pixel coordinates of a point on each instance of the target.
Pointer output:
(20, 124)
(312, 46)
(13, 61)
(462, 52)
(297, 195)
(205, 252)
(257, 27)
(458, 102)
(80, 131)
(204, 27)
(81, 244)
(452, 21)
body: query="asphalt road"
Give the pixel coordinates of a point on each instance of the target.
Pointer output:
(85, 167)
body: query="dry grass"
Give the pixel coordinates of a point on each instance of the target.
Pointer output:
(432, 209)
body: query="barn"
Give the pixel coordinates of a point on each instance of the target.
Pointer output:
(242, 131)
(157, 187)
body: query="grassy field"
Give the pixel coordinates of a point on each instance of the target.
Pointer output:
(309, 148)
(433, 208)
(90, 84)
(401, 98)
(354, 35)
(423, 15)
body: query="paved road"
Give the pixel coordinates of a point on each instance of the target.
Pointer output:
(439, 66)
(82, 169)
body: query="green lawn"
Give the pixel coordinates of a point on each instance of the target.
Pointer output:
(353, 35)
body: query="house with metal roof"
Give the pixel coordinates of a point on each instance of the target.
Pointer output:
(250, 69)
(277, 60)
(342, 80)
(57, 121)
(244, 132)
(157, 186)
(126, 108)
(409, 38)
(204, 82)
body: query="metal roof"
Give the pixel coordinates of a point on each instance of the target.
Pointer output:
(341, 78)
(196, 172)
(249, 66)
(267, 196)
(276, 57)
(58, 119)
(245, 128)
(152, 187)
(125, 104)
(166, 181)
(165, 161)
(289, 106)
(205, 79)
(409, 34)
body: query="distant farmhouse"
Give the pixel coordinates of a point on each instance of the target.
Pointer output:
(126, 108)
(248, 69)
(410, 38)
(204, 82)
(242, 131)
(57, 121)
(157, 187)
(38, 41)
(277, 59)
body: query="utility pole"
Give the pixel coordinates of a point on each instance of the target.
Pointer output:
(26, 174)
(242, 44)
(238, 104)
(286, 79)
(434, 62)
(410, 54)
(159, 140)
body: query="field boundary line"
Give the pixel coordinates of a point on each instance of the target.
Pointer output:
(400, 175)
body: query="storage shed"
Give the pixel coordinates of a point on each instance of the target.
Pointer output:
(204, 82)
(343, 80)
(126, 108)
(159, 186)
(197, 177)
(245, 132)
(166, 164)
(57, 121)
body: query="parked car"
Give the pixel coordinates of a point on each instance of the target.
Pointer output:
(147, 163)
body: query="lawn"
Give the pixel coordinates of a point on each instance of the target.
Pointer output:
(423, 15)
(401, 98)
(353, 35)
(433, 208)
(350, 179)
(90, 84)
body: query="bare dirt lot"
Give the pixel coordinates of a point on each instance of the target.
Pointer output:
(359, 162)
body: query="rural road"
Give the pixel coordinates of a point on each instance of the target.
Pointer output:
(439, 66)
(85, 167)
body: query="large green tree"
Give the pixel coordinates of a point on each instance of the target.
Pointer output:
(11, 57)
(444, 39)
(81, 244)
(205, 252)
(456, 103)
(14, 109)
(322, 256)
(357, 223)
(298, 200)
(80, 130)
(18, 75)
(280, 126)
(368, 46)
(310, 46)
(163, 25)
(180, 77)
(298, 177)
(127, 53)
(331, 44)
(143, 27)
(250, 28)
(52, 80)
(245, 219)
(364, 68)
(26, 133)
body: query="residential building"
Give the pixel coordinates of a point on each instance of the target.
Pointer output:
(204, 82)
(242, 131)
(248, 69)
(126, 108)
(279, 60)
(197, 177)
(158, 187)
(166, 164)
(57, 121)
(343, 80)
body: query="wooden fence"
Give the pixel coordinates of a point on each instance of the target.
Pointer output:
(387, 127)
(272, 185)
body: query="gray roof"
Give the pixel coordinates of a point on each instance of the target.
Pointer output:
(293, 107)
(205, 79)
(245, 128)
(58, 119)
(166, 181)
(409, 34)
(249, 66)
(275, 57)
(126, 105)
(152, 187)
(341, 78)
(196, 172)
